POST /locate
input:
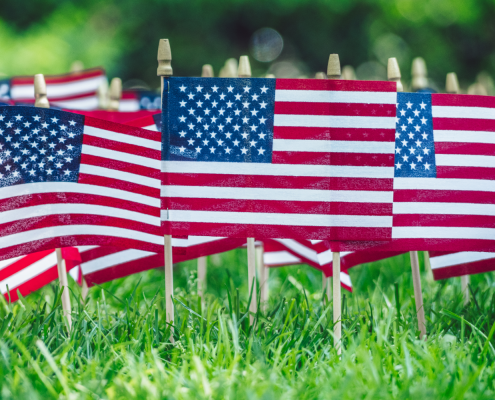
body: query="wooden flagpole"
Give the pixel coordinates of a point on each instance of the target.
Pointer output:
(393, 73)
(325, 284)
(333, 72)
(348, 73)
(452, 86)
(164, 70)
(115, 94)
(77, 66)
(419, 74)
(206, 72)
(244, 71)
(263, 274)
(41, 101)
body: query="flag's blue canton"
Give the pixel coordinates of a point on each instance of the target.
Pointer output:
(414, 144)
(221, 119)
(39, 145)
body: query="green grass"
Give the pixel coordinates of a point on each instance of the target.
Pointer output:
(119, 348)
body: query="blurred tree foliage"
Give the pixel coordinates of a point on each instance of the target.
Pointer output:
(45, 36)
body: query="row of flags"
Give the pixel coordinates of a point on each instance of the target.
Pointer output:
(321, 165)
(80, 91)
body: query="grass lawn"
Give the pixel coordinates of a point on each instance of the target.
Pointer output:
(119, 346)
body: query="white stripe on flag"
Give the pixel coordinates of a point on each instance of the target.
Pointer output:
(113, 259)
(449, 260)
(28, 273)
(214, 192)
(334, 96)
(464, 137)
(434, 232)
(444, 208)
(278, 218)
(122, 138)
(265, 169)
(334, 121)
(464, 160)
(120, 156)
(444, 184)
(334, 146)
(463, 112)
(9, 192)
(120, 175)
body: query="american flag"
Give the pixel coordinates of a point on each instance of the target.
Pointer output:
(286, 158)
(453, 264)
(76, 90)
(444, 191)
(68, 180)
(444, 179)
(283, 252)
(31, 272)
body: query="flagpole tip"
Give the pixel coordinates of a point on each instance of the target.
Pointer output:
(77, 66)
(477, 88)
(393, 73)
(164, 58)
(452, 83)
(40, 92)
(244, 70)
(115, 94)
(320, 75)
(333, 68)
(348, 73)
(419, 74)
(207, 71)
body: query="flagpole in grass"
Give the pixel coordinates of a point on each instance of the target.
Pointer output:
(206, 72)
(393, 73)
(452, 86)
(41, 101)
(115, 94)
(263, 274)
(333, 72)
(244, 71)
(164, 71)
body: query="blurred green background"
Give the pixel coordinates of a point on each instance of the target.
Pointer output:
(46, 36)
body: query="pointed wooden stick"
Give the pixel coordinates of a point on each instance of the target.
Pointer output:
(64, 286)
(77, 66)
(40, 92)
(263, 274)
(42, 101)
(418, 295)
(451, 83)
(348, 73)
(419, 74)
(207, 71)
(103, 95)
(115, 94)
(202, 265)
(333, 68)
(326, 284)
(337, 306)
(320, 75)
(164, 70)
(393, 73)
(477, 88)
(84, 289)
